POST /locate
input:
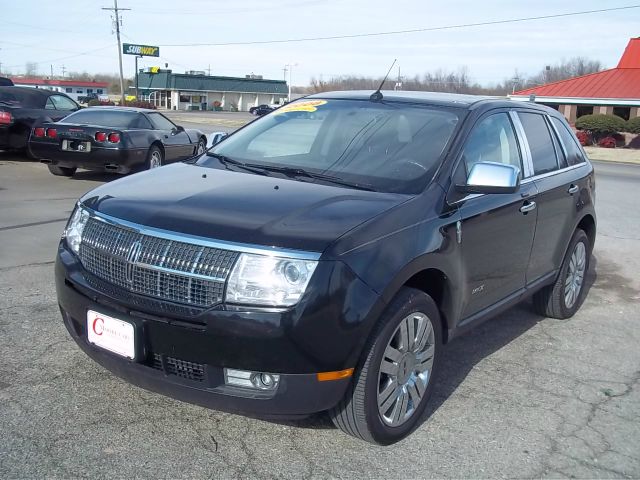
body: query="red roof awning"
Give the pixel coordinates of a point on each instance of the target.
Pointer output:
(620, 82)
(58, 83)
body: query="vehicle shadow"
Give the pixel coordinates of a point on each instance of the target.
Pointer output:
(465, 352)
(95, 176)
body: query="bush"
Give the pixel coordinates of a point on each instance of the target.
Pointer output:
(633, 125)
(584, 138)
(600, 124)
(607, 142)
(140, 104)
(94, 102)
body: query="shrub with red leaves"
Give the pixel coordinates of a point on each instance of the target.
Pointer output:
(607, 142)
(584, 138)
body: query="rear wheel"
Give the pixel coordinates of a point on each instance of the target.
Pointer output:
(202, 146)
(391, 389)
(62, 171)
(155, 158)
(563, 298)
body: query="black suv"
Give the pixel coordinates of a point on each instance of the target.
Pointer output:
(320, 257)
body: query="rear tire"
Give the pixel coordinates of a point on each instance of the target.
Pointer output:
(563, 298)
(155, 158)
(202, 146)
(387, 398)
(62, 171)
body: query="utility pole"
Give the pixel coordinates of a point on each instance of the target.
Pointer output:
(117, 22)
(51, 77)
(64, 70)
(398, 85)
(290, 67)
(137, 57)
(209, 70)
(284, 72)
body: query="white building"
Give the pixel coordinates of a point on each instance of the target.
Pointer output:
(73, 88)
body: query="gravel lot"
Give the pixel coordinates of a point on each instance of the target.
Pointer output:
(521, 396)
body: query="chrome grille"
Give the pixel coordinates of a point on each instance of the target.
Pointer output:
(170, 270)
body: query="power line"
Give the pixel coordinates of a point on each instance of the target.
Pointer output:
(399, 32)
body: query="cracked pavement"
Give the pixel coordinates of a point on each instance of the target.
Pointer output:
(521, 396)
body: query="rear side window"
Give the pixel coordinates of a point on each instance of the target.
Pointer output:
(569, 140)
(543, 154)
(141, 122)
(160, 122)
(492, 140)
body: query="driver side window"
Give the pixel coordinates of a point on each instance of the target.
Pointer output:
(492, 140)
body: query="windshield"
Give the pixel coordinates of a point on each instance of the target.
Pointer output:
(389, 147)
(102, 117)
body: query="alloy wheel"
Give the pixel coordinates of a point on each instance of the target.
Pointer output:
(156, 159)
(405, 370)
(575, 275)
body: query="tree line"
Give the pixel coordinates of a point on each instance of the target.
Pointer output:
(459, 81)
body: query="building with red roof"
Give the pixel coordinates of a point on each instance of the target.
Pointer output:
(614, 91)
(73, 88)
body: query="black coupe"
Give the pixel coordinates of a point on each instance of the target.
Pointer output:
(113, 139)
(22, 107)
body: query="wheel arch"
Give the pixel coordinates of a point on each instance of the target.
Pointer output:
(588, 224)
(158, 144)
(435, 283)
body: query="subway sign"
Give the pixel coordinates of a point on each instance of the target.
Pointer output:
(144, 50)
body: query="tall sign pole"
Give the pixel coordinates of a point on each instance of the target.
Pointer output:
(117, 21)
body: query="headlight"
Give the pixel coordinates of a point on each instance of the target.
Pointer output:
(264, 280)
(73, 232)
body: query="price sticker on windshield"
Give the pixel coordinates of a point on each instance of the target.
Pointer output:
(306, 106)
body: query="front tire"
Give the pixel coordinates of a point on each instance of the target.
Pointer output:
(562, 299)
(390, 391)
(62, 171)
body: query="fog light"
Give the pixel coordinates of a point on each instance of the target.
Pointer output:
(253, 380)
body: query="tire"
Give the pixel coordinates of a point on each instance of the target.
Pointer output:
(62, 171)
(555, 300)
(358, 413)
(202, 146)
(155, 158)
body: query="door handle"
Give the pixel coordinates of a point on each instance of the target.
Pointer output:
(573, 189)
(527, 207)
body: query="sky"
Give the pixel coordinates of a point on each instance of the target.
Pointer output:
(77, 34)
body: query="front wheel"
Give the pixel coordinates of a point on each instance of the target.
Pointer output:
(391, 389)
(562, 299)
(62, 171)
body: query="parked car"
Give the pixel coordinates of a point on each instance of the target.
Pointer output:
(113, 139)
(263, 110)
(322, 262)
(6, 82)
(252, 110)
(21, 107)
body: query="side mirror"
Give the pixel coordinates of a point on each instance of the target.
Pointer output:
(490, 177)
(217, 137)
(178, 129)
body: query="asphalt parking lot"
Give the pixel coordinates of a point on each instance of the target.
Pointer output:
(521, 396)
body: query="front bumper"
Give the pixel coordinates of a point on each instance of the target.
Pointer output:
(294, 343)
(118, 160)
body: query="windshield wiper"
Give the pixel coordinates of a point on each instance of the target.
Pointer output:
(226, 161)
(301, 172)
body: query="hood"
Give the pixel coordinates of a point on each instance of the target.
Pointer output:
(239, 207)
